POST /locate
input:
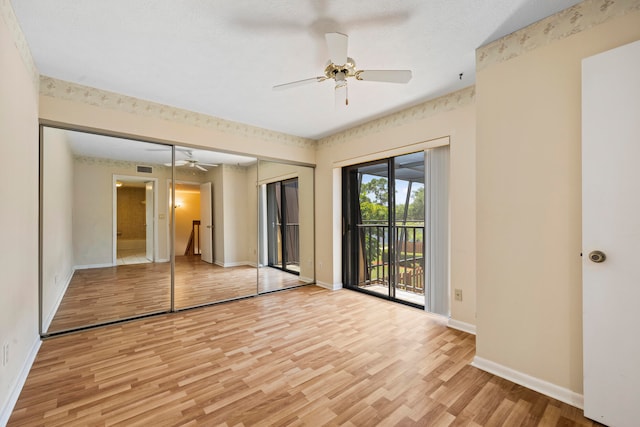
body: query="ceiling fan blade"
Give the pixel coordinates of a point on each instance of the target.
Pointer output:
(178, 163)
(300, 83)
(390, 76)
(337, 44)
(201, 168)
(208, 164)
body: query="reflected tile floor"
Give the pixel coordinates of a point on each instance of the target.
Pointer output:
(131, 256)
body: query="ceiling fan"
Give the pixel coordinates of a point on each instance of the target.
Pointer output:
(191, 162)
(340, 67)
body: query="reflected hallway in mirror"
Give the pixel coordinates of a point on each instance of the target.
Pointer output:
(215, 227)
(104, 249)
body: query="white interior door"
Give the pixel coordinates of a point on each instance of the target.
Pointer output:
(206, 223)
(149, 219)
(611, 224)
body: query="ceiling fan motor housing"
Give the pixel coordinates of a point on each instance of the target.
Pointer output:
(348, 69)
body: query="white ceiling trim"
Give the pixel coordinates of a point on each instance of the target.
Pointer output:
(573, 20)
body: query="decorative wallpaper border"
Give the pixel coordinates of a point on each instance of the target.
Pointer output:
(112, 163)
(451, 101)
(184, 173)
(9, 17)
(573, 20)
(61, 89)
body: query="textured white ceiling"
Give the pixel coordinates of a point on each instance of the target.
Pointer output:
(222, 57)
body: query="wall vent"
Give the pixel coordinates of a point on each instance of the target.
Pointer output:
(144, 169)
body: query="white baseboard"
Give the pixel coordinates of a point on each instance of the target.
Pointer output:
(331, 287)
(462, 326)
(233, 264)
(559, 393)
(87, 266)
(306, 279)
(16, 387)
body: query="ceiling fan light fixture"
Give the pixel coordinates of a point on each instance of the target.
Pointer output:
(341, 79)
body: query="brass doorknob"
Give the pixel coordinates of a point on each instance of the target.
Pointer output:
(597, 256)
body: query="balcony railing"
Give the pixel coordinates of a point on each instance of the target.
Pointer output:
(406, 268)
(292, 246)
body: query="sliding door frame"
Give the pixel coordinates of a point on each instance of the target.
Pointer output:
(353, 242)
(282, 226)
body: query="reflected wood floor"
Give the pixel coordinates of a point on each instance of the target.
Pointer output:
(197, 282)
(273, 279)
(101, 295)
(306, 356)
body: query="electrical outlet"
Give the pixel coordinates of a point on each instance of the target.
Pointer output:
(5, 354)
(458, 294)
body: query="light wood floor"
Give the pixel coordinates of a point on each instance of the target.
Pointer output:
(305, 356)
(101, 295)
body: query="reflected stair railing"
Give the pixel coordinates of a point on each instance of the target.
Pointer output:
(193, 245)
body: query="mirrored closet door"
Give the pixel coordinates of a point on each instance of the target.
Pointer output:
(132, 228)
(105, 249)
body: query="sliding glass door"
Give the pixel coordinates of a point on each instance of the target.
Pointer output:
(284, 228)
(384, 236)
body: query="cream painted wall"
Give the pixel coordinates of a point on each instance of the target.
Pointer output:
(236, 215)
(57, 207)
(251, 224)
(93, 208)
(218, 215)
(307, 223)
(19, 212)
(529, 203)
(454, 116)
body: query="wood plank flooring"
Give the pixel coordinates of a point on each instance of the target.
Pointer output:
(101, 295)
(305, 356)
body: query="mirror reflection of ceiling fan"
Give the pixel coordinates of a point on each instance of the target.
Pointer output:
(340, 67)
(191, 162)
